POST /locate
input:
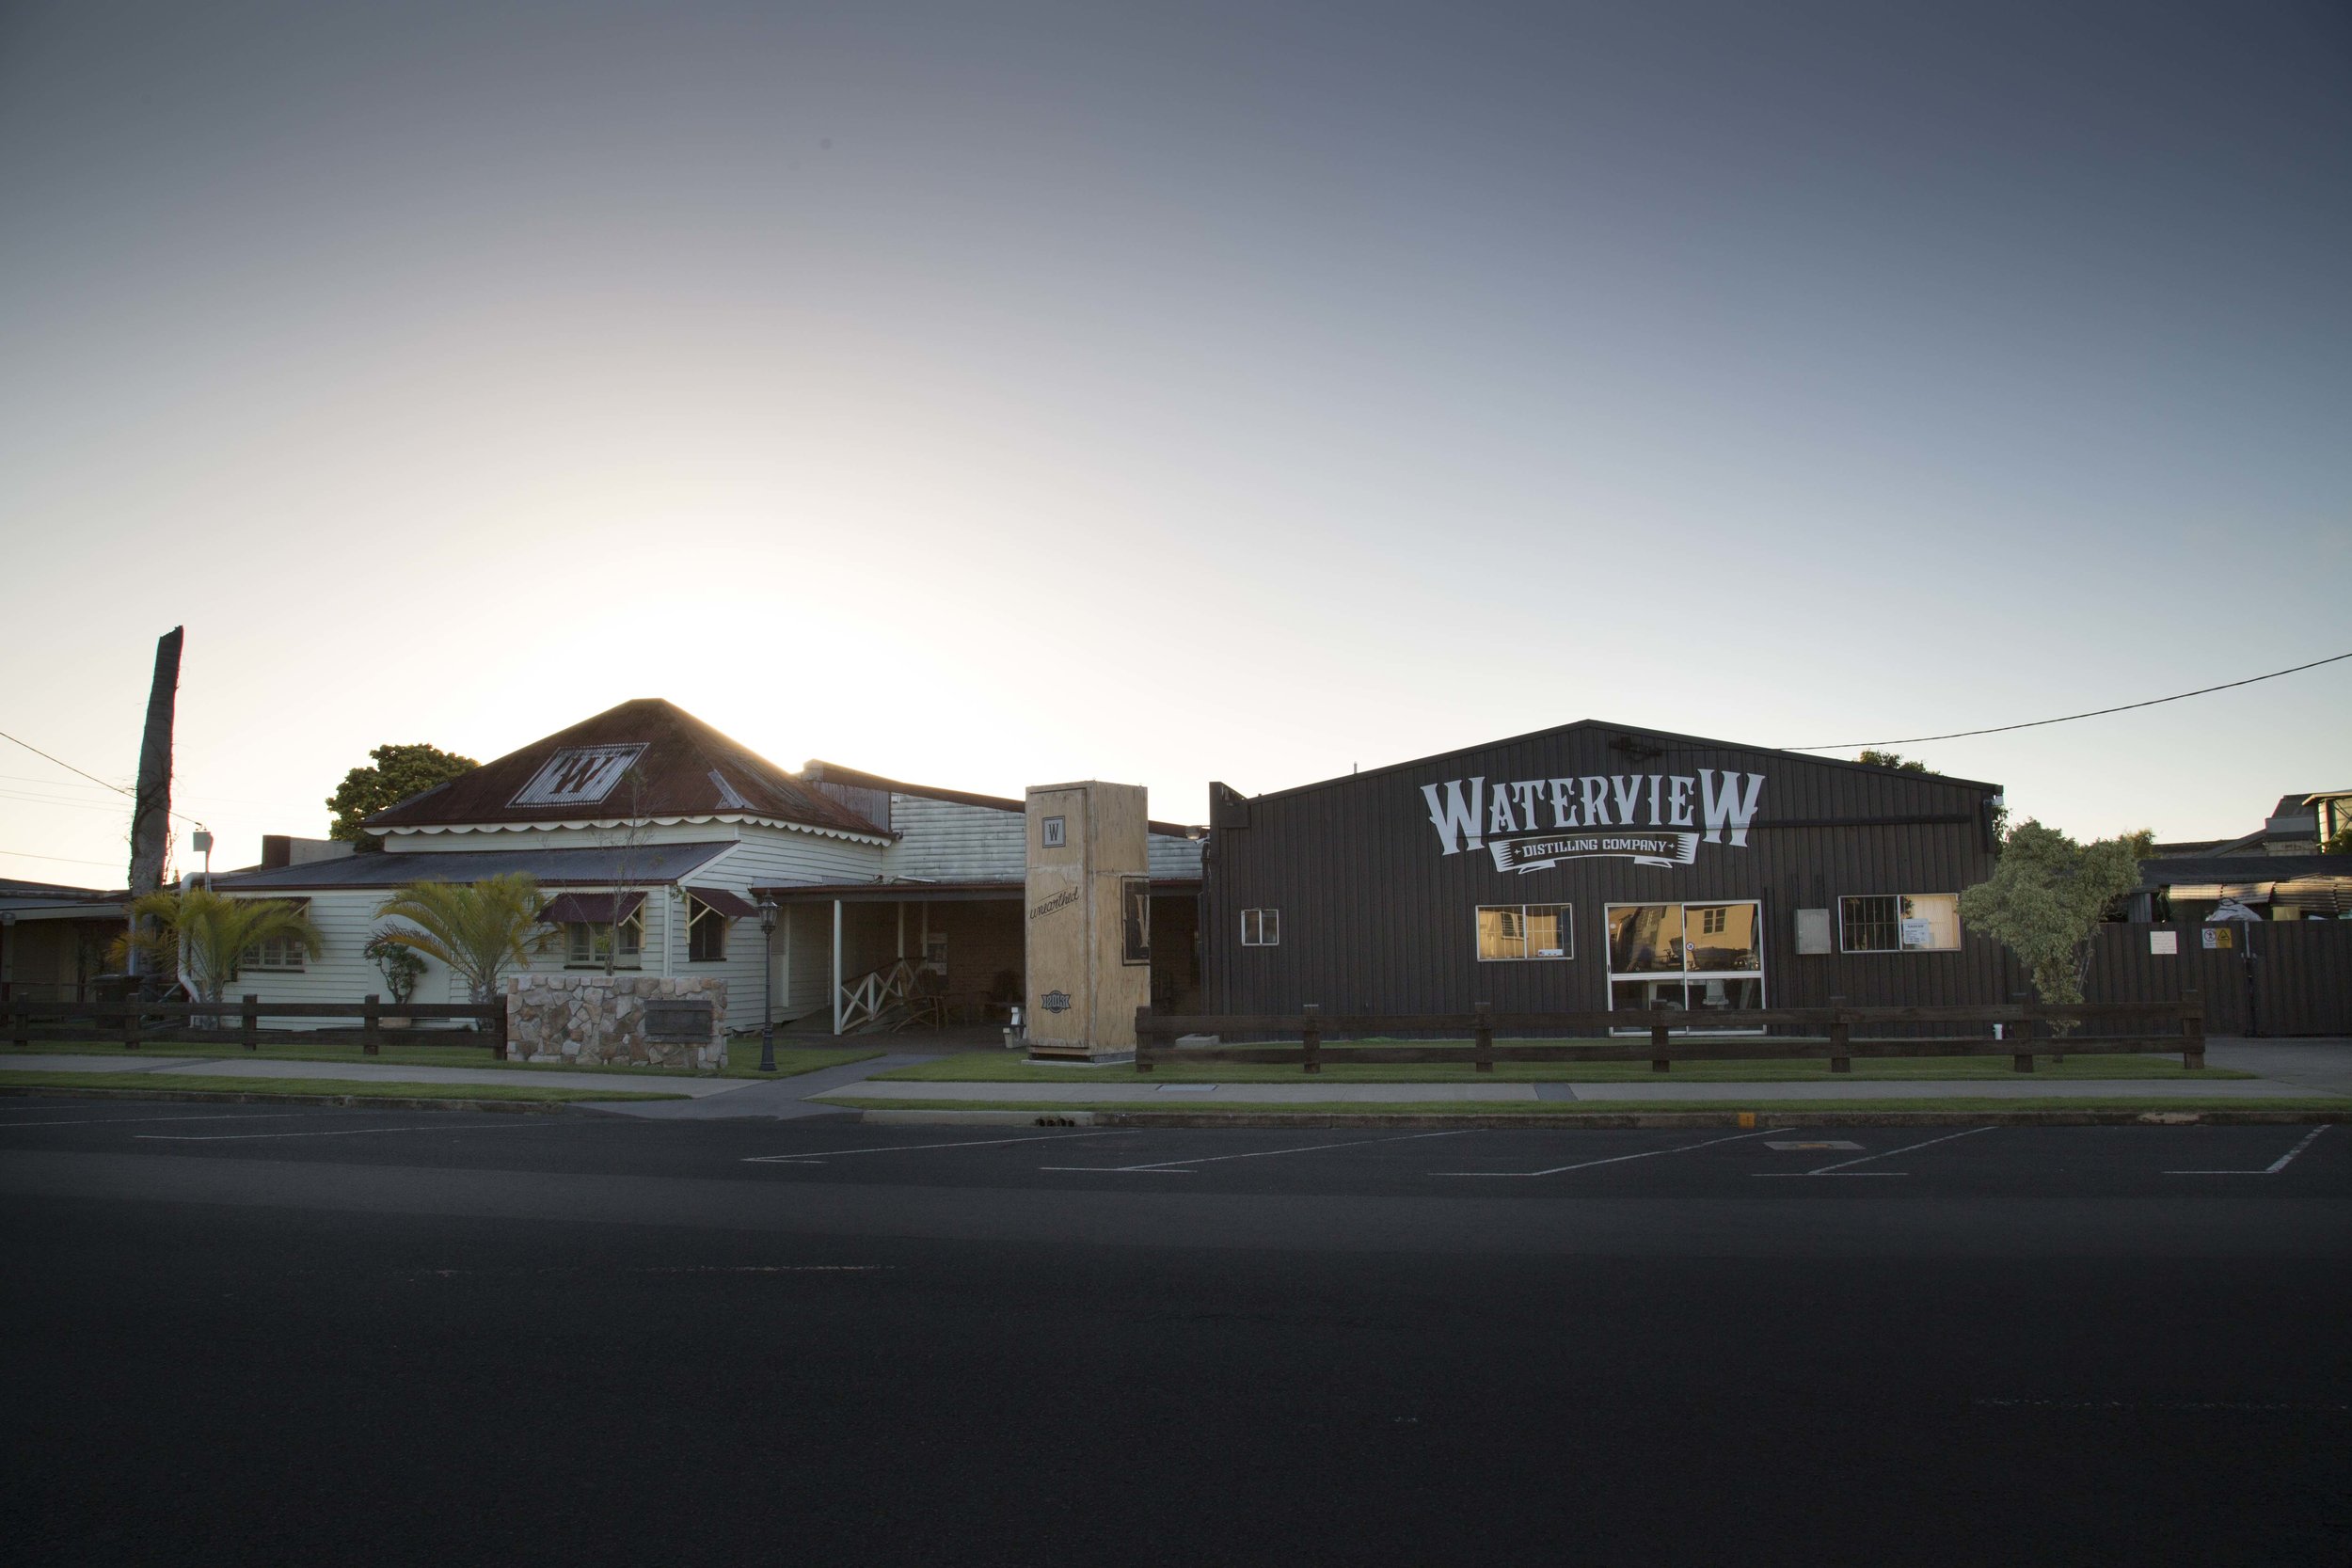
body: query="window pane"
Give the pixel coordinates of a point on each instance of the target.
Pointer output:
(1724, 935)
(1646, 938)
(1273, 926)
(1250, 928)
(1644, 993)
(1548, 931)
(1871, 925)
(1720, 995)
(1500, 933)
(1930, 920)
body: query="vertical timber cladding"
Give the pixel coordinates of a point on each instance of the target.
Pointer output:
(1088, 918)
(1378, 877)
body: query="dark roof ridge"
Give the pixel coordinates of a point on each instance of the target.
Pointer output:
(817, 771)
(1693, 742)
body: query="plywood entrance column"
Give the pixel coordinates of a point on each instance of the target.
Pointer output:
(1088, 914)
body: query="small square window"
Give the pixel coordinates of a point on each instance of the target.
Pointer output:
(1900, 922)
(1052, 832)
(1509, 931)
(1261, 928)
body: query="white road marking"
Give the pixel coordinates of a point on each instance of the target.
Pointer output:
(103, 1121)
(1617, 1159)
(2272, 1169)
(1171, 1166)
(1833, 1170)
(344, 1132)
(903, 1149)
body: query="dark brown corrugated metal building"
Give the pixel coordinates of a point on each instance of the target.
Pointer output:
(1598, 865)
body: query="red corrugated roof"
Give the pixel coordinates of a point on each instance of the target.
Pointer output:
(644, 758)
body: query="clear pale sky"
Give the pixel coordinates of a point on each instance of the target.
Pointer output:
(989, 395)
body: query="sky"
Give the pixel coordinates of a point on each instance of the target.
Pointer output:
(997, 394)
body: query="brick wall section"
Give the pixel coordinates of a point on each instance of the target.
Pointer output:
(600, 1019)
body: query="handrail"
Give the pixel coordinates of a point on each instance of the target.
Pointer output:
(154, 1021)
(866, 998)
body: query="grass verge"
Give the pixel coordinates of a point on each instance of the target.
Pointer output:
(1570, 1110)
(341, 1087)
(742, 1056)
(1006, 1067)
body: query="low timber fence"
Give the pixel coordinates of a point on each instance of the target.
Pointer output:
(1838, 1031)
(131, 1024)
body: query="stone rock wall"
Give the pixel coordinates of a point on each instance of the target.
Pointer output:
(597, 1019)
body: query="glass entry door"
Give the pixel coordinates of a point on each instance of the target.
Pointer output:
(1694, 957)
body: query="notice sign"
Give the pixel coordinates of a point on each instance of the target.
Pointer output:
(2217, 937)
(2168, 942)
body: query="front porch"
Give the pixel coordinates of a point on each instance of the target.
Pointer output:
(948, 956)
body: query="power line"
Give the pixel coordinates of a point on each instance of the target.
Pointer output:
(2068, 718)
(92, 778)
(69, 860)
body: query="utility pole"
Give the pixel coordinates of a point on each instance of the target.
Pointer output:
(151, 810)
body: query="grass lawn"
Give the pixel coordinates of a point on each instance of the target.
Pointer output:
(361, 1089)
(742, 1056)
(1570, 1109)
(1010, 1066)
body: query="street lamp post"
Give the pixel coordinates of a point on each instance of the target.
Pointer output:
(766, 985)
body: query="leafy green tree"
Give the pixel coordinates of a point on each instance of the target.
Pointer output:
(204, 935)
(2045, 899)
(398, 772)
(1895, 760)
(479, 930)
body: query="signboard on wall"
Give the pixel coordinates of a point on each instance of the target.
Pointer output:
(1650, 818)
(2167, 943)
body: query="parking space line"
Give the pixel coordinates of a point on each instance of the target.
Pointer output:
(1620, 1159)
(516, 1125)
(1171, 1167)
(1839, 1169)
(821, 1158)
(2272, 1169)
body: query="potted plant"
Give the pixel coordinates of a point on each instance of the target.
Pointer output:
(401, 967)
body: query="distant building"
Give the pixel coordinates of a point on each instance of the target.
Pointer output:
(2277, 870)
(54, 940)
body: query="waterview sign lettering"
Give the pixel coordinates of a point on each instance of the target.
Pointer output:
(1531, 824)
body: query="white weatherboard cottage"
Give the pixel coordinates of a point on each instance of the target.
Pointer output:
(647, 820)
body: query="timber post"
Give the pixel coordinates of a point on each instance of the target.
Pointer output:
(1840, 1031)
(371, 1022)
(1313, 1037)
(2192, 1030)
(249, 1022)
(1482, 1053)
(1659, 1061)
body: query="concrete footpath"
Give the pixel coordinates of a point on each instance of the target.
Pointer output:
(2289, 1070)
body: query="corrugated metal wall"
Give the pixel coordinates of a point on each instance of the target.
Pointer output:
(1376, 917)
(2277, 977)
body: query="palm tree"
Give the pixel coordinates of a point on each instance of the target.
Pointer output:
(203, 934)
(480, 929)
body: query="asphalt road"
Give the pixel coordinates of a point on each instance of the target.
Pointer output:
(246, 1334)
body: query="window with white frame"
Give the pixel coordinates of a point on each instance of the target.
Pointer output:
(1261, 928)
(280, 955)
(586, 943)
(706, 933)
(1900, 922)
(1512, 931)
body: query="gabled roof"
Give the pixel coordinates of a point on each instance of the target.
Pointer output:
(1672, 743)
(646, 758)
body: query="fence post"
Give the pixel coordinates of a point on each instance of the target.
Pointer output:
(21, 1022)
(249, 1022)
(1143, 1039)
(2192, 1029)
(1840, 1031)
(1483, 1056)
(371, 1022)
(130, 1025)
(2023, 1062)
(500, 1044)
(1659, 1062)
(1314, 1038)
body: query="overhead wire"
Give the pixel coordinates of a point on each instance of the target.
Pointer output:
(93, 777)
